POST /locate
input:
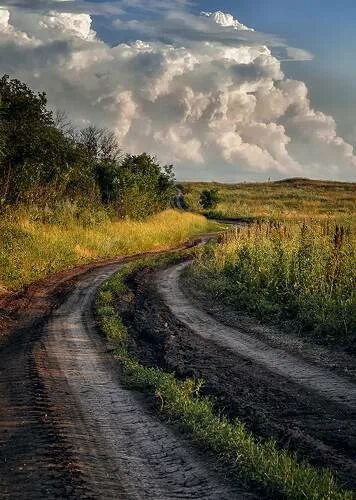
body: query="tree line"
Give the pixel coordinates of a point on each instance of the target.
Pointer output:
(44, 159)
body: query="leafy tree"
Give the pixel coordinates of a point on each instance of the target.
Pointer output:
(209, 198)
(143, 187)
(33, 151)
(43, 157)
(102, 155)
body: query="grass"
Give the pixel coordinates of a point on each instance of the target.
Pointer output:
(274, 470)
(301, 273)
(293, 199)
(36, 244)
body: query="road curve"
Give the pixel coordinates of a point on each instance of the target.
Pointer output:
(70, 429)
(313, 378)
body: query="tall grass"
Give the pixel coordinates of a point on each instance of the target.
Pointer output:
(303, 273)
(33, 245)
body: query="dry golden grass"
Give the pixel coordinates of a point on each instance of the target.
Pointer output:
(293, 199)
(31, 249)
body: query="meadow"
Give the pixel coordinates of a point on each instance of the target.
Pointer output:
(35, 243)
(291, 199)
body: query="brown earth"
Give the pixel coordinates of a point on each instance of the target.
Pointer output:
(298, 408)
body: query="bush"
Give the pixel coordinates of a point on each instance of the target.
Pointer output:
(209, 198)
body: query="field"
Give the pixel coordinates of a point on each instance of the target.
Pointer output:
(292, 199)
(34, 245)
(295, 264)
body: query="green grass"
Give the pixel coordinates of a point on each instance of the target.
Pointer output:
(293, 199)
(303, 274)
(34, 244)
(275, 471)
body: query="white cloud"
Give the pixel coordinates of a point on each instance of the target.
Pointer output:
(209, 95)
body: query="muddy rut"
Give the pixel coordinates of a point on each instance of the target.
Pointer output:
(70, 429)
(281, 362)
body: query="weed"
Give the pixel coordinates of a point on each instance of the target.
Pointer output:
(301, 273)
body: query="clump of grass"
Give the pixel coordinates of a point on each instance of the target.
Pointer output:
(259, 462)
(302, 273)
(33, 245)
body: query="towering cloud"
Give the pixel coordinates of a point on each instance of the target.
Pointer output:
(204, 92)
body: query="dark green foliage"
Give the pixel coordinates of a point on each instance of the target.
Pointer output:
(44, 160)
(209, 198)
(33, 151)
(142, 187)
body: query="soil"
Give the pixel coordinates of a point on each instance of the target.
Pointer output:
(274, 388)
(68, 426)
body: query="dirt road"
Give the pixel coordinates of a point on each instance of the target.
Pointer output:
(70, 429)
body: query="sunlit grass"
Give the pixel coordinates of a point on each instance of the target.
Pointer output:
(295, 200)
(31, 249)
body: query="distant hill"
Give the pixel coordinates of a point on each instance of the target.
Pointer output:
(290, 182)
(304, 182)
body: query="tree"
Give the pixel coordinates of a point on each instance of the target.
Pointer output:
(101, 155)
(32, 149)
(209, 198)
(143, 187)
(41, 152)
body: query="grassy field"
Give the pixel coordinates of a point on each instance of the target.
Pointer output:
(293, 199)
(33, 245)
(298, 266)
(276, 472)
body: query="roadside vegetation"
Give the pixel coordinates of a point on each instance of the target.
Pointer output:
(295, 264)
(31, 249)
(274, 471)
(292, 199)
(70, 196)
(302, 274)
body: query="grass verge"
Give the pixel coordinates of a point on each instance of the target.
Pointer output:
(258, 462)
(31, 248)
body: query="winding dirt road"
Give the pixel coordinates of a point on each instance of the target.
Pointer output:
(70, 429)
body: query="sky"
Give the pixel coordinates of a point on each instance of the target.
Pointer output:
(228, 91)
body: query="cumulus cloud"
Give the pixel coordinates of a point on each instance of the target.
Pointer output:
(207, 94)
